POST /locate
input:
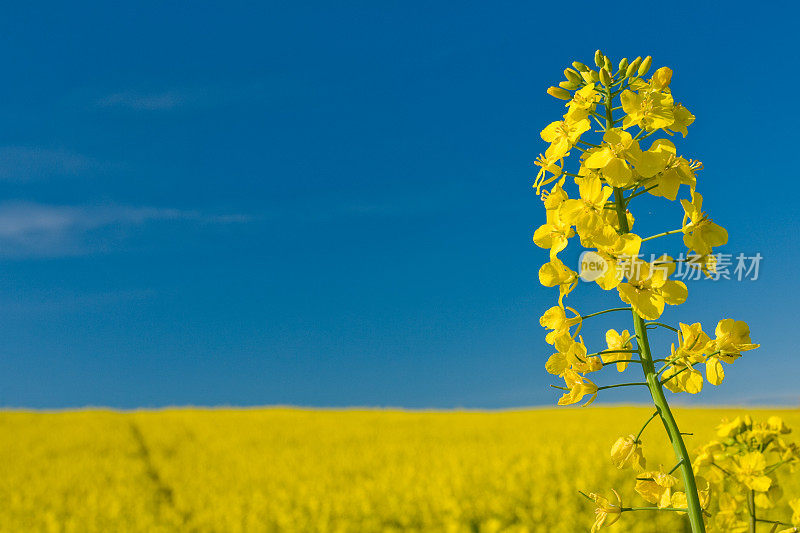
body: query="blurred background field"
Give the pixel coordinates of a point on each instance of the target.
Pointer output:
(278, 469)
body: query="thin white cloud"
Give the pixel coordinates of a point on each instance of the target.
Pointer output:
(26, 163)
(40, 230)
(143, 101)
(201, 96)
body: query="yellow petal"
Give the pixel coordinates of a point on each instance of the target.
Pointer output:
(714, 371)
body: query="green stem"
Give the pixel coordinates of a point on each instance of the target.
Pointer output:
(778, 522)
(645, 425)
(605, 311)
(676, 330)
(651, 237)
(654, 509)
(674, 468)
(751, 508)
(695, 511)
(622, 361)
(611, 351)
(771, 469)
(638, 383)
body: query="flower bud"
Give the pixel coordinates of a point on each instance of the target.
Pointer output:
(599, 59)
(633, 68)
(590, 76)
(605, 77)
(569, 85)
(626, 451)
(623, 65)
(607, 64)
(645, 66)
(580, 67)
(560, 93)
(572, 76)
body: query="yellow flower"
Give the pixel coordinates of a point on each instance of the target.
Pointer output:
(562, 135)
(661, 78)
(776, 424)
(574, 358)
(714, 371)
(554, 234)
(583, 103)
(733, 337)
(606, 513)
(626, 451)
(556, 319)
(707, 454)
(578, 387)
(683, 119)
(555, 197)
(611, 159)
(553, 165)
(729, 428)
(618, 341)
(555, 273)
(648, 109)
(664, 170)
(701, 234)
(726, 519)
(656, 487)
(749, 470)
(693, 341)
(682, 377)
(587, 213)
(648, 289)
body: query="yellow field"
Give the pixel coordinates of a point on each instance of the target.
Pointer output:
(299, 470)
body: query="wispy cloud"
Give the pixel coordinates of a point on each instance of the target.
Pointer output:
(144, 101)
(31, 229)
(252, 92)
(25, 163)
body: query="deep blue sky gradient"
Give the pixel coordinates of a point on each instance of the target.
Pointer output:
(329, 204)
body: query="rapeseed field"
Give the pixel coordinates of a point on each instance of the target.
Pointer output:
(297, 470)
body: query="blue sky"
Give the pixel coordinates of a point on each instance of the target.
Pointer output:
(329, 204)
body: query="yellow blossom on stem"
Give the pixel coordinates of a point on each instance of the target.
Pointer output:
(556, 273)
(733, 337)
(618, 341)
(573, 358)
(578, 387)
(701, 234)
(683, 119)
(648, 109)
(749, 470)
(656, 487)
(587, 213)
(626, 451)
(606, 513)
(583, 102)
(664, 171)
(553, 165)
(562, 135)
(611, 158)
(648, 287)
(554, 234)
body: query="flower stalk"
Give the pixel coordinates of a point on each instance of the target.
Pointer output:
(695, 510)
(613, 172)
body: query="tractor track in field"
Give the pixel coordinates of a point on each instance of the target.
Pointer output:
(164, 494)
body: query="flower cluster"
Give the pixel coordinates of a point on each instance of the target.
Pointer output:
(742, 466)
(612, 170)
